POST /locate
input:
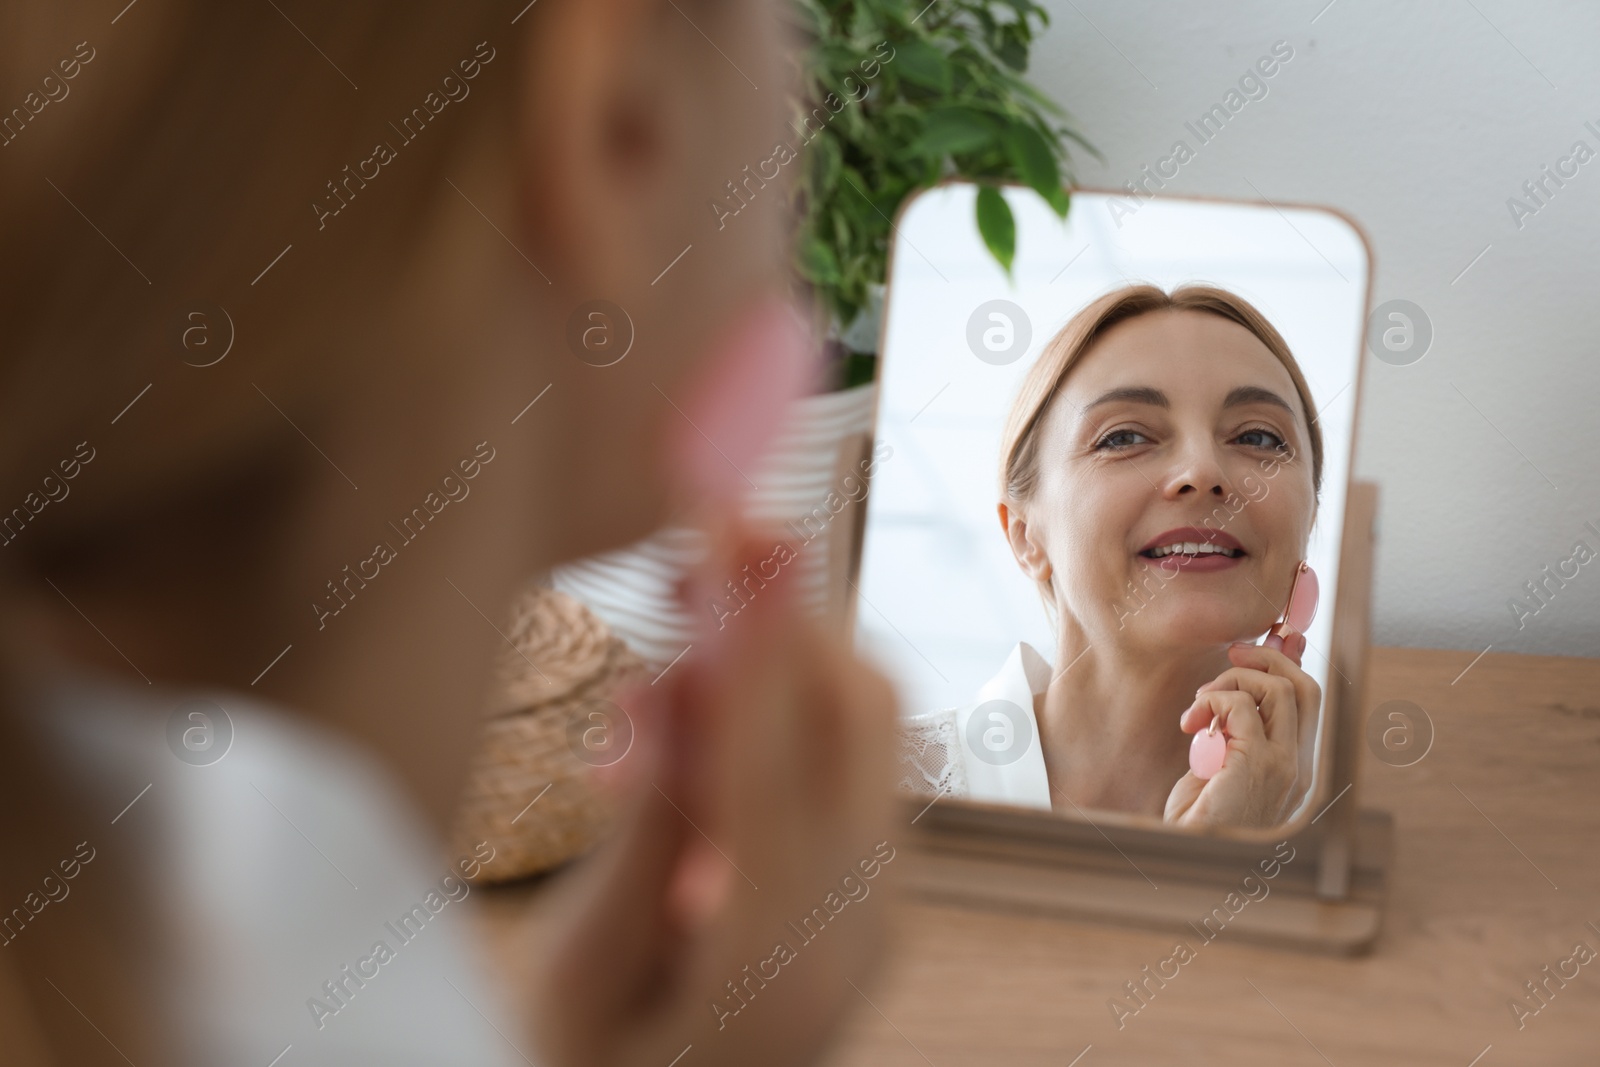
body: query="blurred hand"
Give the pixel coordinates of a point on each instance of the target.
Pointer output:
(760, 775)
(1268, 706)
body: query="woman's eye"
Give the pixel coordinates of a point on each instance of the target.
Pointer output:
(1113, 435)
(1261, 431)
(1116, 440)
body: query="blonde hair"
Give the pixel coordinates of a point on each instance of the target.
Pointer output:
(1019, 441)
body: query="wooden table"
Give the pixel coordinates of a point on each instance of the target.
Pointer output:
(1496, 875)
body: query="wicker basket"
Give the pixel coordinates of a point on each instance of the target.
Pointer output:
(530, 793)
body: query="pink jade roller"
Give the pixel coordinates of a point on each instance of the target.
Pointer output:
(1209, 746)
(734, 410)
(1301, 610)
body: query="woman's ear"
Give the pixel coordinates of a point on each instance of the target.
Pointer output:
(592, 129)
(633, 124)
(1029, 554)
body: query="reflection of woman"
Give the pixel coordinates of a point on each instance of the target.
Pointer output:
(1160, 471)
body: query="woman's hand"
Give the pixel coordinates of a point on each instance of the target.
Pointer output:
(1268, 705)
(758, 795)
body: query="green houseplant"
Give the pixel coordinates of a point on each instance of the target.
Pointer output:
(895, 97)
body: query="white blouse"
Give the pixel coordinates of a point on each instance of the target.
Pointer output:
(987, 749)
(275, 871)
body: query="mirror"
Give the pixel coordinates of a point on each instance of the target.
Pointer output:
(1041, 659)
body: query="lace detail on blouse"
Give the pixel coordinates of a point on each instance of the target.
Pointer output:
(930, 754)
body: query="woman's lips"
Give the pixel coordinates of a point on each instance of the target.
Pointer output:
(1199, 564)
(1193, 534)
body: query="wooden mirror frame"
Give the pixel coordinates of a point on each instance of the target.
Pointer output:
(1328, 895)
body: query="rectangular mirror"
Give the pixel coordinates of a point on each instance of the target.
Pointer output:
(960, 605)
(1046, 616)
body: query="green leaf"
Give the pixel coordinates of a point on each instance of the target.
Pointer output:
(1059, 200)
(862, 23)
(954, 130)
(820, 264)
(997, 226)
(1013, 52)
(859, 368)
(921, 63)
(1033, 159)
(825, 162)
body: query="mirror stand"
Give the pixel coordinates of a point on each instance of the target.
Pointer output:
(1316, 884)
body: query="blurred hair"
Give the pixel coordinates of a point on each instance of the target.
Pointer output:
(186, 157)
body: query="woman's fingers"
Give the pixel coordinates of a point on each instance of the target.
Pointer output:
(1256, 773)
(808, 723)
(1273, 697)
(759, 781)
(798, 789)
(1265, 703)
(815, 730)
(1287, 695)
(736, 688)
(1295, 648)
(1183, 796)
(1236, 713)
(1307, 694)
(1310, 710)
(1279, 664)
(1263, 700)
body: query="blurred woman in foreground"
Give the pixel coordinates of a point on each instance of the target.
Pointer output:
(275, 277)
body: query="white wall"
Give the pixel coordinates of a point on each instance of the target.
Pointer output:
(1419, 121)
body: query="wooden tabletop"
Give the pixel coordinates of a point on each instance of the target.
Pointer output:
(1496, 877)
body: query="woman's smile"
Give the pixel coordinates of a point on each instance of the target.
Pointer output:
(1190, 549)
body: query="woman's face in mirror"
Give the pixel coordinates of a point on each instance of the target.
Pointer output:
(1171, 419)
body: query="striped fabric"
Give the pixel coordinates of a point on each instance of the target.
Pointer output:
(632, 588)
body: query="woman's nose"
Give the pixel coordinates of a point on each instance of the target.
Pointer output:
(1197, 469)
